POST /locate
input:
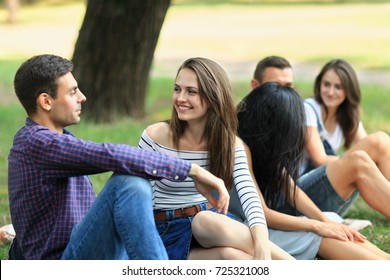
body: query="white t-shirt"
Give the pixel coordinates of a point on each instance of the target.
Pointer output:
(335, 139)
(313, 116)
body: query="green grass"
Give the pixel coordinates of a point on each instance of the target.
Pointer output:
(158, 108)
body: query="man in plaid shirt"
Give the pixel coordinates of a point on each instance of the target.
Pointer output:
(54, 209)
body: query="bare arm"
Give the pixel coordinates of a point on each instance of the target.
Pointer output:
(360, 134)
(262, 248)
(315, 148)
(317, 221)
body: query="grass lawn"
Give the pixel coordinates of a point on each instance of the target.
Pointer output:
(129, 131)
(234, 35)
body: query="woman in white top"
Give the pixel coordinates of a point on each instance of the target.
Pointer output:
(203, 129)
(333, 120)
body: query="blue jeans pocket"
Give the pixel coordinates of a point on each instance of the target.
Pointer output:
(176, 236)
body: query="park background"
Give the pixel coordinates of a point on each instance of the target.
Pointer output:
(234, 33)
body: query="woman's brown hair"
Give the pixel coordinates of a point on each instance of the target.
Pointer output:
(348, 113)
(221, 125)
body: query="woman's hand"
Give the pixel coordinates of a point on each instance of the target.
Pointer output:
(205, 183)
(337, 231)
(261, 244)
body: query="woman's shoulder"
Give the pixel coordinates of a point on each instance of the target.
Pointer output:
(312, 101)
(239, 142)
(312, 105)
(159, 133)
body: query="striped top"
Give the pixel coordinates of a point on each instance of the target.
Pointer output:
(168, 194)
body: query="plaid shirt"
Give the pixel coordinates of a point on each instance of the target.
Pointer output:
(49, 190)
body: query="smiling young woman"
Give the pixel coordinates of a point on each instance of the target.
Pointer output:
(333, 121)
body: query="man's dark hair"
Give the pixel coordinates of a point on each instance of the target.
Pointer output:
(37, 75)
(269, 61)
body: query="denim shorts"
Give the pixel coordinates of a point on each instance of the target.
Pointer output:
(317, 186)
(176, 235)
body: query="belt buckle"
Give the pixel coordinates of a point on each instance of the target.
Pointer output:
(184, 213)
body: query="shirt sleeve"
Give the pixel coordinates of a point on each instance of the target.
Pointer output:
(246, 190)
(146, 143)
(63, 154)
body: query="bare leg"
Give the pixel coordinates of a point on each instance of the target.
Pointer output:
(371, 247)
(228, 253)
(377, 146)
(215, 230)
(218, 253)
(333, 249)
(278, 253)
(356, 169)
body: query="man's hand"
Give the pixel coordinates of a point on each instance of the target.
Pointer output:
(205, 182)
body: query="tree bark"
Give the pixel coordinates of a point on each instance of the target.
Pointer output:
(114, 53)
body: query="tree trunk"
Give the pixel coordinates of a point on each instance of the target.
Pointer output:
(114, 53)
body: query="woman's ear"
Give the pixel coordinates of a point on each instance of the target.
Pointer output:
(44, 102)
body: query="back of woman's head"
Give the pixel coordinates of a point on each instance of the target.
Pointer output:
(221, 125)
(272, 123)
(348, 114)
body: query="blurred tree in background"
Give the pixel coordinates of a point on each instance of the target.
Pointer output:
(114, 53)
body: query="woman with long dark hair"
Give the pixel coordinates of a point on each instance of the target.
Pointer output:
(272, 125)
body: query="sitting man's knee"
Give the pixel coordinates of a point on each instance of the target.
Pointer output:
(136, 186)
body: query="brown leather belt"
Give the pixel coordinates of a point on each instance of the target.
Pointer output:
(181, 213)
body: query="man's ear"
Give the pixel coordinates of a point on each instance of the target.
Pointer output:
(254, 83)
(44, 101)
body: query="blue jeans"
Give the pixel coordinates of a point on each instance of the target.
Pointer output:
(317, 186)
(177, 234)
(119, 225)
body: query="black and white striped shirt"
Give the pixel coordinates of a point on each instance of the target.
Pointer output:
(169, 194)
